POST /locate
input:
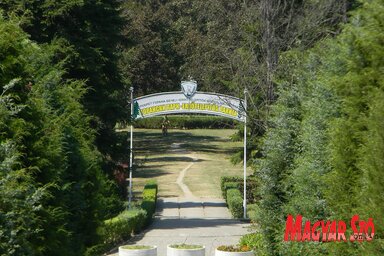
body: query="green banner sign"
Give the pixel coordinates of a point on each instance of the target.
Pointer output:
(188, 101)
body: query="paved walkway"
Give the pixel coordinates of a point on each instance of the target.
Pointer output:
(179, 220)
(193, 220)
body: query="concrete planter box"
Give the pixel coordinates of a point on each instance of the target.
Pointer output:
(185, 252)
(138, 252)
(223, 253)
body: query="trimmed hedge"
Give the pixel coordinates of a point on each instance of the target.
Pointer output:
(186, 122)
(149, 200)
(121, 227)
(229, 185)
(252, 187)
(252, 210)
(235, 202)
(118, 229)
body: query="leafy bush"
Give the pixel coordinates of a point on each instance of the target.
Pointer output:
(98, 249)
(252, 187)
(229, 185)
(121, 227)
(114, 231)
(149, 200)
(226, 179)
(252, 210)
(255, 242)
(235, 202)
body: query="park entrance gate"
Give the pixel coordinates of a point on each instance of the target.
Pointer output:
(189, 101)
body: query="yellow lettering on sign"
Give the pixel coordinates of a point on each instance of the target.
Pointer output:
(190, 106)
(160, 108)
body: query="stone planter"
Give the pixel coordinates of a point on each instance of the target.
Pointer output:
(126, 251)
(185, 252)
(223, 253)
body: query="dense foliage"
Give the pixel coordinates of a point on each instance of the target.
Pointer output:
(53, 192)
(87, 34)
(321, 153)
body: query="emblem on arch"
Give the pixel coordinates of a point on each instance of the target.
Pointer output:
(189, 88)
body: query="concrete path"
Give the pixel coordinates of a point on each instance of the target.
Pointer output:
(206, 222)
(190, 219)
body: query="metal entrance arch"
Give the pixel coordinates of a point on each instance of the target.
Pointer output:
(189, 101)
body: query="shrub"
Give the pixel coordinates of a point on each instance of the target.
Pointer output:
(256, 242)
(118, 229)
(121, 227)
(98, 249)
(252, 210)
(149, 200)
(151, 184)
(229, 185)
(235, 202)
(252, 187)
(226, 179)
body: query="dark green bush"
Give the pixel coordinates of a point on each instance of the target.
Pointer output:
(97, 250)
(235, 202)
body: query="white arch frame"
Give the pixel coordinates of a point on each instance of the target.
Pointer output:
(220, 100)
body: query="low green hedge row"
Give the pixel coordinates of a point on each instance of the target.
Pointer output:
(118, 229)
(252, 211)
(149, 200)
(252, 187)
(121, 227)
(235, 202)
(185, 122)
(229, 185)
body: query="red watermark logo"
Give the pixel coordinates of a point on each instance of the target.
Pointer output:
(328, 231)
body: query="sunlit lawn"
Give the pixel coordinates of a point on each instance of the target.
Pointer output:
(162, 158)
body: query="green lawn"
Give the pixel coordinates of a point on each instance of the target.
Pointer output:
(162, 158)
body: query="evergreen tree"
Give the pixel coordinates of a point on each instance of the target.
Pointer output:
(89, 33)
(50, 166)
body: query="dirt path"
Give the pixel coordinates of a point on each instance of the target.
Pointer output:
(187, 192)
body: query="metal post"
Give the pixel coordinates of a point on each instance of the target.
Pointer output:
(245, 155)
(131, 153)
